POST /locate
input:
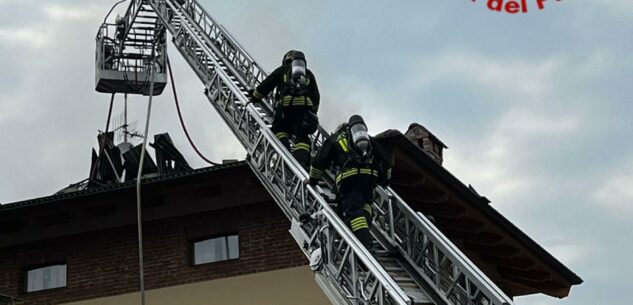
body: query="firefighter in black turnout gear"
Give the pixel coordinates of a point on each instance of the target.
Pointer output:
(359, 165)
(296, 104)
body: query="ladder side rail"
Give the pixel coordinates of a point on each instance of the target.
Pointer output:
(370, 289)
(130, 15)
(252, 73)
(258, 72)
(246, 122)
(230, 48)
(430, 252)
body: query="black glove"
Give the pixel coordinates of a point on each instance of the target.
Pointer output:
(385, 183)
(311, 181)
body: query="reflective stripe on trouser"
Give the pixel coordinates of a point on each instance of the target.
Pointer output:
(368, 208)
(289, 124)
(316, 173)
(281, 135)
(301, 146)
(359, 223)
(353, 204)
(368, 211)
(360, 228)
(303, 157)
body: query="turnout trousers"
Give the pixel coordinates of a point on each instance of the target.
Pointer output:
(356, 197)
(287, 124)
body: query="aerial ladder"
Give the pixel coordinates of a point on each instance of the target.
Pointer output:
(414, 263)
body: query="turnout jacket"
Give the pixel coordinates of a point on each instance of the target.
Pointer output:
(280, 79)
(348, 166)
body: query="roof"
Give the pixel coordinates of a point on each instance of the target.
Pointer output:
(120, 186)
(505, 253)
(164, 197)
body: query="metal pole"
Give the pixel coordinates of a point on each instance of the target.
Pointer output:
(125, 130)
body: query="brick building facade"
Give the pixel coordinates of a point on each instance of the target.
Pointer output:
(104, 262)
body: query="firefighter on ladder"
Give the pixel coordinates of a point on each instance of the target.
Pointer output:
(296, 104)
(359, 165)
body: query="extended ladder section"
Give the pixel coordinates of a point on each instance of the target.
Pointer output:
(125, 50)
(414, 264)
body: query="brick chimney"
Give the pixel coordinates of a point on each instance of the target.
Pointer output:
(428, 142)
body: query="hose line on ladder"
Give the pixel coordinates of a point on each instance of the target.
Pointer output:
(139, 219)
(182, 121)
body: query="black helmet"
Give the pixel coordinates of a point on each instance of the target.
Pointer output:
(355, 119)
(292, 55)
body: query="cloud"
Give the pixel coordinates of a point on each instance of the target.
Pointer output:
(9, 108)
(616, 6)
(73, 13)
(525, 95)
(31, 36)
(509, 78)
(616, 192)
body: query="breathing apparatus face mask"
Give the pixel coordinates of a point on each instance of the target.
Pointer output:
(360, 138)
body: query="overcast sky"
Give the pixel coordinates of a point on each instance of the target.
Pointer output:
(536, 108)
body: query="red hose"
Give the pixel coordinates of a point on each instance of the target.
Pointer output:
(182, 122)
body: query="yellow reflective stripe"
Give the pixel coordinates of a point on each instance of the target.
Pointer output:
(299, 101)
(359, 223)
(367, 207)
(301, 146)
(281, 135)
(359, 220)
(296, 101)
(369, 171)
(346, 174)
(257, 95)
(315, 172)
(343, 143)
(355, 171)
(349, 174)
(366, 171)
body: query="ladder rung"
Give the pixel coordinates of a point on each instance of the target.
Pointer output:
(144, 22)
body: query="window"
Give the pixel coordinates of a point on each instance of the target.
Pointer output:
(216, 249)
(49, 277)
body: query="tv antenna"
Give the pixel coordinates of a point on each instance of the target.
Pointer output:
(126, 132)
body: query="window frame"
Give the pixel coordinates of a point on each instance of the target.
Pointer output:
(193, 242)
(27, 269)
